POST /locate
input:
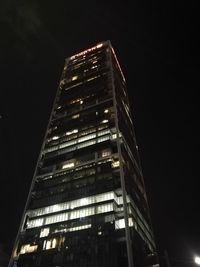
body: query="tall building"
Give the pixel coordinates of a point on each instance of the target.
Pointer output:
(87, 205)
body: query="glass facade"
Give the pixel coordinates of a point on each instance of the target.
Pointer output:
(87, 204)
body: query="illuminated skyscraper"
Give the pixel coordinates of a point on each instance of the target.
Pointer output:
(87, 205)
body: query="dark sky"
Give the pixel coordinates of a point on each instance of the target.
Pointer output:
(157, 47)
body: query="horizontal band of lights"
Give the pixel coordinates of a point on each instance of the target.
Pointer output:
(66, 216)
(86, 51)
(84, 144)
(75, 204)
(81, 141)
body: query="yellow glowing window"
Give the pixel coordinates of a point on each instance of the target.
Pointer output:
(68, 165)
(74, 78)
(51, 243)
(28, 249)
(75, 116)
(115, 164)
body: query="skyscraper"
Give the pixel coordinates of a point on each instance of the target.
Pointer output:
(87, 205)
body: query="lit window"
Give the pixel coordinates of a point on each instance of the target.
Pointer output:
(81, 102)
(55, 137)
(105, 153)
(71, 132)
(75, 101)
(68, 143)
(99, 45)
(75, 116)
(78, 203)
(119, 224)
(104, 121)
(87, 137)
(74, 78)
(35, 223)
(68, 165)
(44, 232)
(52, 243)
(59, 107)
(103, 132)
(102, 139)
(84, 201)
(115, 164)
(106, 111)
(94, 67)
(114, 136)
(28, 249)
(89, 143)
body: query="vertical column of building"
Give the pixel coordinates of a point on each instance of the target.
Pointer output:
(141, 234)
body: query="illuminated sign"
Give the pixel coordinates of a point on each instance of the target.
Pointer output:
(86, 51)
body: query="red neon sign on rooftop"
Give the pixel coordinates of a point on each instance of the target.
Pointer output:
(86, 51)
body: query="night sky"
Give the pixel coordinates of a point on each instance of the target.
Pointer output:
(157, 47)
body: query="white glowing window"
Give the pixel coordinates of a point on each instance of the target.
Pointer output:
(84, 201)
(104, 121)
(114, 136)
(44, 232)
(56, 218)
(70, 143)
(81, 102)
(55, 137)
(86, 144)
(78, 203)
(104, 208)
(102, 139)
(72, 131)
(103, 132)
(35, 223)
(74, 78)
(88, 137)
(119, 224)
(78, 228)
(106, 111)
(28, 248)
